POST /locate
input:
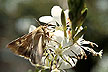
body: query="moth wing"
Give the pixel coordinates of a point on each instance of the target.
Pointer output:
(37, 53)
(40, 49)
(29, 46)
(22, 46)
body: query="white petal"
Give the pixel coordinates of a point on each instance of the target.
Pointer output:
(66, 65)
(66, 42)
(32, 27)
(46, 19)
(66, 13)
(58, 35)
(67, 16)
(80, 29)
(56, 13)
(75, 48)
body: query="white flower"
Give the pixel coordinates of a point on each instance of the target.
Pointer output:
(59, 36)
(61, 52)
(64, 49)
(56, 16)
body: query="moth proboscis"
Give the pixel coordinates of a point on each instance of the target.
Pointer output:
(31, 45)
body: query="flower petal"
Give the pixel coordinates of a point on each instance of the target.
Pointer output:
(56, 13)
(66, 65)
(66, 13)
(58, 35)
(46, 19)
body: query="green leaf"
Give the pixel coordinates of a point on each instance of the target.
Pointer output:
(80, 6)
(83, 31)
(84, 10)
(63, 20)
(72, 9)
(83, 15)
(75, 8)
(75, 13)
(81, 19)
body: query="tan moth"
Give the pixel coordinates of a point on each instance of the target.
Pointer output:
(31, 45)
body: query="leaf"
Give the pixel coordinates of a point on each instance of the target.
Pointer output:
(63, 20)
(81, 19)
(71, 9)
(83, 31)
(83, 16)
(80, 6)
(75, 14)
(75, 8)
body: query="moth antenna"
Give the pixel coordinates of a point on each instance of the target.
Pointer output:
(37, 21)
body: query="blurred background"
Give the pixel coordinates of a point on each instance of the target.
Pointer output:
(17, 15)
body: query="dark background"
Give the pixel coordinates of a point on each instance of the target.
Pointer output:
(17, 15)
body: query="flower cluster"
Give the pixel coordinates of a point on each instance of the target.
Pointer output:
(62, 51)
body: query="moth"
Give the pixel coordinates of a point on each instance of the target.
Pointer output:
(31, 45)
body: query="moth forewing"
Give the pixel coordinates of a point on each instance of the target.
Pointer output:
(40, 50)
(30, 46)
(22, 45)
